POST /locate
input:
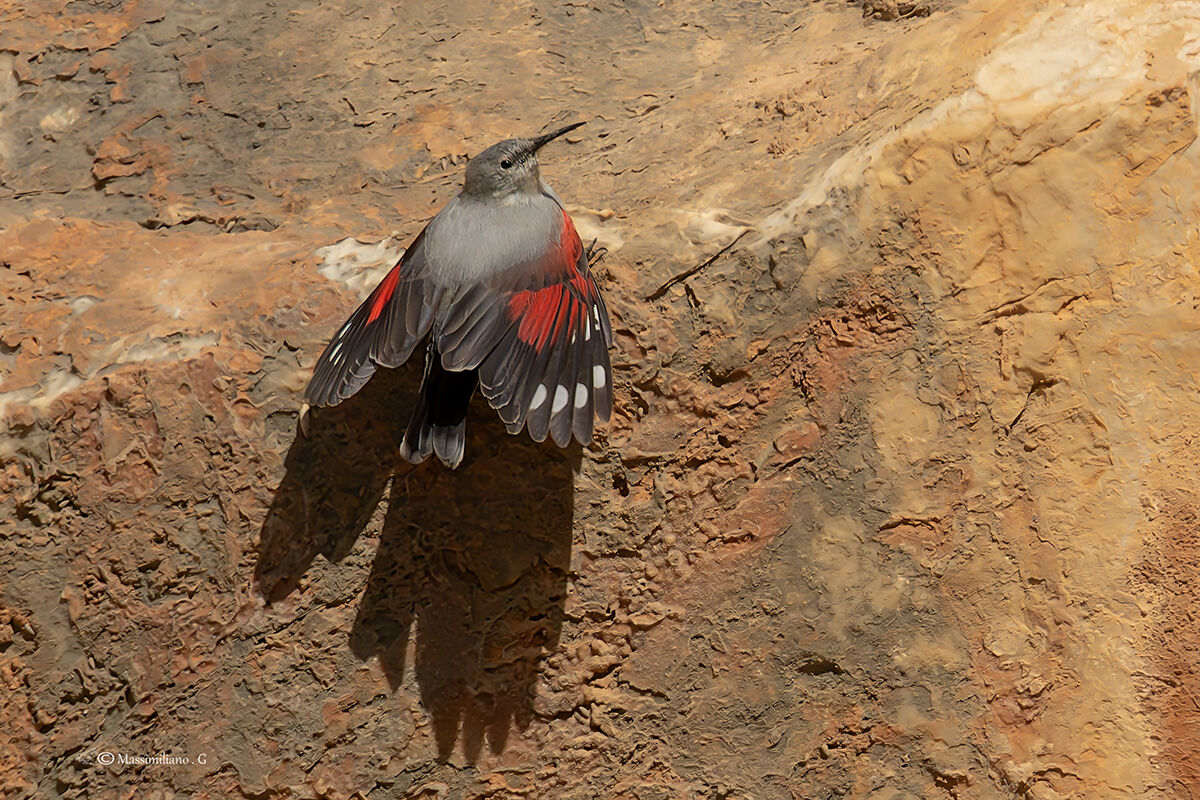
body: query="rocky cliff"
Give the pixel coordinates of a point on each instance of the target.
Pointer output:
(898, 499)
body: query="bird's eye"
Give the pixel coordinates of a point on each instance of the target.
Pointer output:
(505, 164)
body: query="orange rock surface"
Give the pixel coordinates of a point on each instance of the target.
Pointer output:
(899, 495)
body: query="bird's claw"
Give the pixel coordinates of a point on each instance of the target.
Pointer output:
(303, 420)
(594, 254)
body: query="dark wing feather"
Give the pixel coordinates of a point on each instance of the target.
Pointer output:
(382, 332)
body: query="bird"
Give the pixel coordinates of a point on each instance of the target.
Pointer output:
(499, 286)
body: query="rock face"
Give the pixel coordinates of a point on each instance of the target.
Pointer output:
(898, 500)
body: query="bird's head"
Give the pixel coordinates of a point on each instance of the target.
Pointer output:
(508, 167)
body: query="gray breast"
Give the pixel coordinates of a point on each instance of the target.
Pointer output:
(474, 239)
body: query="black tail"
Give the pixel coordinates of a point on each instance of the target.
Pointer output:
(439, 422)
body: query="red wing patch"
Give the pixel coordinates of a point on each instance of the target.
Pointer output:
(384, 292)
(570, 247)
(559, 310)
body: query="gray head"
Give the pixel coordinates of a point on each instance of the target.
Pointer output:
(508, 167)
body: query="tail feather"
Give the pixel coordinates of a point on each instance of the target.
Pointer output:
(439, 422)
(449, 443)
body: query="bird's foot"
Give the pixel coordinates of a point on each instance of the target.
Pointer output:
(594, 254)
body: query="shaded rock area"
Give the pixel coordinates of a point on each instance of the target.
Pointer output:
(899, 495)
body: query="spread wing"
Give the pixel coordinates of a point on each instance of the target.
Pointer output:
(539, 335)
(383, 331)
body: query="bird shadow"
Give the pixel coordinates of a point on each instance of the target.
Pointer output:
(471, 567)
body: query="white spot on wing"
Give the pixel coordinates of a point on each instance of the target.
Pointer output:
(598, 377)
(560, 399)
(580, 395)
(539, 397)
(587, 332)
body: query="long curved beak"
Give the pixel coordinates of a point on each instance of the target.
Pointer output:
(545, 137)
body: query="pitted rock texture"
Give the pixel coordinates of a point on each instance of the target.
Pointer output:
(898, 499)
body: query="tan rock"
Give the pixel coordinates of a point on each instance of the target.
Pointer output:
(898, 497)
